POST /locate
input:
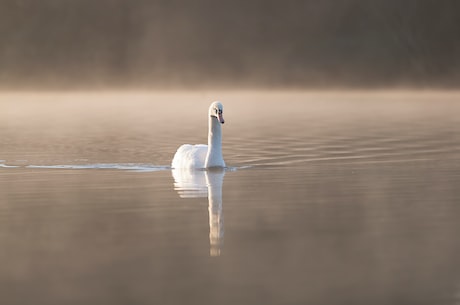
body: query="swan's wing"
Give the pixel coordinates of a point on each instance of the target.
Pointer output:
(190, 156)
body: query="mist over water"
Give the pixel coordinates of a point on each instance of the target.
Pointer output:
(330, 197)
(243, 44)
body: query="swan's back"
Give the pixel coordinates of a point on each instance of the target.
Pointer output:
(190, 156)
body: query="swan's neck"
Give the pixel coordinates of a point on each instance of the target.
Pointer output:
(214, 156)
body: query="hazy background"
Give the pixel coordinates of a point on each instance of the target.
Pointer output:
(238, 43)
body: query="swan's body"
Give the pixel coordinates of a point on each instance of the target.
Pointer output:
(204, 156)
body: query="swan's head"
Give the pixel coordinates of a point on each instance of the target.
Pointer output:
(217, 110)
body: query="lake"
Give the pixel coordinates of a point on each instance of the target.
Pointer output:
(330, 198)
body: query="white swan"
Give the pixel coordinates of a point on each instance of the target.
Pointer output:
(204, 156)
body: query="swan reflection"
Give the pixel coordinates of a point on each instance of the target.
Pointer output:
(202, 184)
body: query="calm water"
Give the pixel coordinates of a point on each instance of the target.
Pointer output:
(331, 198)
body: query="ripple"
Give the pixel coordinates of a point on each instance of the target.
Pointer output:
(114, 166)
(136, 167)
(372, 145)
(7, 166)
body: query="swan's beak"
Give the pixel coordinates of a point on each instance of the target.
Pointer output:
(220, 117)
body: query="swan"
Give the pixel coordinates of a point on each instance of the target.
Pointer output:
(202, 156)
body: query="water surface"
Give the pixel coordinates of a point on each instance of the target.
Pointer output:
(331, 198)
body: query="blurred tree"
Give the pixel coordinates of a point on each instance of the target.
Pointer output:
(236, 43)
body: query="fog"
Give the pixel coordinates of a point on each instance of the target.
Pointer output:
(243, 44)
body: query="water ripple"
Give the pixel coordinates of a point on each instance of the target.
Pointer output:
(115, 166)
(378, 144)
